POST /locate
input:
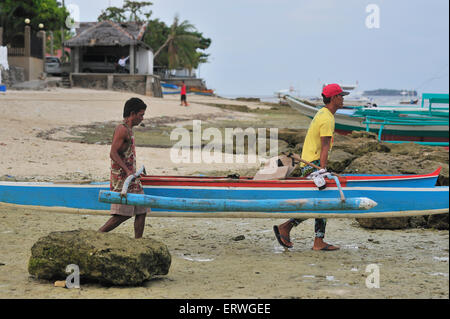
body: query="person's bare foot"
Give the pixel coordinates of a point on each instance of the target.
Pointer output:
(282, 234)
(319, 244)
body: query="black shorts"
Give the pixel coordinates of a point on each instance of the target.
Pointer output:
(183, 97)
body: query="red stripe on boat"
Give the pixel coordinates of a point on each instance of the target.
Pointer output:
(211, 181)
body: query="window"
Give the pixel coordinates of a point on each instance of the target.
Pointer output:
(52, 60)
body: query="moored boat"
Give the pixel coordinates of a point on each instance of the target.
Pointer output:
(201, 91)
(355, 98)
(389, 124)
(168, 88)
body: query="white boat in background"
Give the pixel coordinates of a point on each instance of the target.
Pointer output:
(282, 93)
(408, 98)
(424, 125)
(355, 98)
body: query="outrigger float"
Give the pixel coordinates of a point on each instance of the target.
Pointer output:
(346, 196)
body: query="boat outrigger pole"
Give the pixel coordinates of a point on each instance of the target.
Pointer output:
(231, 205)
(237, 205)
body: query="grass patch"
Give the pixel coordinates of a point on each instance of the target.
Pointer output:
(157, 131)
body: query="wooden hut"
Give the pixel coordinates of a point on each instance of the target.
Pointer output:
(98, 46)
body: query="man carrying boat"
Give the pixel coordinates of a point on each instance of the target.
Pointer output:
(123, 164)
(318, 143)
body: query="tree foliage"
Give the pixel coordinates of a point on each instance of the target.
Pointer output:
(132, 11)
(177, 46)
(57, 41)
(14, 12)
(136, 9)
(181, 44)
(113, 14)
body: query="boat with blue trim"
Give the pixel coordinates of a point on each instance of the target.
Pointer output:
(426, 125)
(243, 197)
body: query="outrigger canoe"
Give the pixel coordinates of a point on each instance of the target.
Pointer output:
(391, 126)
(347, 196)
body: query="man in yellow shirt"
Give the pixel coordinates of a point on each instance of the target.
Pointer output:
(317, 145)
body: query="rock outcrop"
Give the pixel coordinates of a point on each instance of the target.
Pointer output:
(393, 223)
(13, 75)
(107, 258)
(439, 221)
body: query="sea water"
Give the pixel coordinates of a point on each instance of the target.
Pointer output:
(379, 100)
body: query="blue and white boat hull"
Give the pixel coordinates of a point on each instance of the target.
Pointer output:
(391, 201)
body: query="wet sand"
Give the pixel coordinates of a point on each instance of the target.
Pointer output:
(25, 114)
(207, 261)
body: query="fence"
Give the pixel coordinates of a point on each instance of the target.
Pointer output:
(36, 46)
(33, 45)
(16, 51)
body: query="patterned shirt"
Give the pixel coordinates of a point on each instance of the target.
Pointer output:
(118, 175)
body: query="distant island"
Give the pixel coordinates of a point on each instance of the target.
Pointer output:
(389, 92)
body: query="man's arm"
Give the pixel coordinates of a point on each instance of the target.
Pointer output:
(325, 148)
(119, 140)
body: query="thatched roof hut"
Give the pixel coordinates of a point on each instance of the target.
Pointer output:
(107, 40)
(108, 33)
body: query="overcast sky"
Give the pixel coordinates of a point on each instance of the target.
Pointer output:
(261, 46)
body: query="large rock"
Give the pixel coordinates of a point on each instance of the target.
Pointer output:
(439, 221)
(384, 223)
(393, 223)
(405, 158)
(108, 258)
(339, 160)
(359, 143)
(425, 158)
(293, 137)
(395, 163)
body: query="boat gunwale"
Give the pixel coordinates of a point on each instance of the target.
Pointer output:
(290, 180)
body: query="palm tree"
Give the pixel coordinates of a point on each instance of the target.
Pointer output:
(181, 44)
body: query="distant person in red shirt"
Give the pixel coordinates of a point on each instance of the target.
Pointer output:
(183, 95)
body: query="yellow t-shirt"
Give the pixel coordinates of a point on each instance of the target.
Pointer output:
(321, 125)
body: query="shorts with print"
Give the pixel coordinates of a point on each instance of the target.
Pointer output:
(129, 210)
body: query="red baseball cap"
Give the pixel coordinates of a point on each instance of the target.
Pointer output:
(331, 90)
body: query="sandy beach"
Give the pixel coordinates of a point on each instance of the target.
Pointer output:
(28, 113)
(207, 259)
